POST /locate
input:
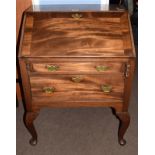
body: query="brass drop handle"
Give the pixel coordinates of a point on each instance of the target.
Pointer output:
(76, 16)
(52, 68)
(77, 79)
(102, 68)
(106, 88)
(48, 90)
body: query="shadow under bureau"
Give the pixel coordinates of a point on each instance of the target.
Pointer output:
(76, 58)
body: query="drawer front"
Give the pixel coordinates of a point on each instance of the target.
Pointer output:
(80, 87)
(77, 67)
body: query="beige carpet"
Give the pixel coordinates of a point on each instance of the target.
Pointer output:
(83, 131)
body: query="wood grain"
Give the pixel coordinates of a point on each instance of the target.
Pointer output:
(128, 85)
(42, 102)
(25, 85)
(21, 5)
(27, 38)
(77, 46)
(88, 89)
(96, 34)
(77, 67)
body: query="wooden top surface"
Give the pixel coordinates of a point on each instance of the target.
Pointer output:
(97, 33)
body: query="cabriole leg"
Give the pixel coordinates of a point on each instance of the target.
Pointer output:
(124, 118)
(29, 117)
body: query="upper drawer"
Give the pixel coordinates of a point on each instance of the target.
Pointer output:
(100, 67)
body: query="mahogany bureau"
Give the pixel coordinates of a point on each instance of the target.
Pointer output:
(76, 58)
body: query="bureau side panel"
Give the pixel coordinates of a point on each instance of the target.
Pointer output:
(128, 83)
(25, 84)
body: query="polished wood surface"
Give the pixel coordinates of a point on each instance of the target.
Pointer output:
(81, 67)
(88, 89)
(77, 59)
(21, 5)
(124, 118)
(100, 32)
(29, 117)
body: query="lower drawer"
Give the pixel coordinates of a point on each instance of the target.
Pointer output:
(77, 87)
